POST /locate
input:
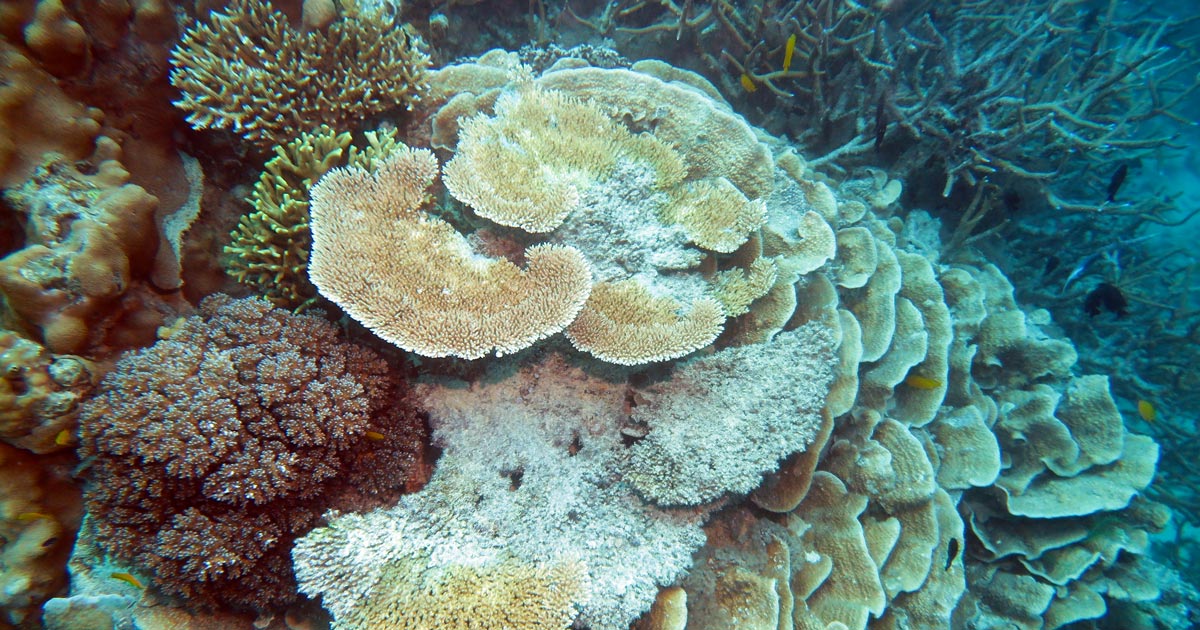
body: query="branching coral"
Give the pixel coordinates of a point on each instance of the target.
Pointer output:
(250, 72)
(270, 247)
(217, 446)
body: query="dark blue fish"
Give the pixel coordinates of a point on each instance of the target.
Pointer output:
(1118, 178)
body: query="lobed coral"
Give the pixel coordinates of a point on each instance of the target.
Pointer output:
(217, 446)
(40, 394)
(39, 515)
(239, 71)
(91, 236)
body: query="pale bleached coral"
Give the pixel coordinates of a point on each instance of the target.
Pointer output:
(535, 450)
(723, 420)
(250, 72)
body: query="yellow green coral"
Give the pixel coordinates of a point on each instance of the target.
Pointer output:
(269, 248)
(252, 73)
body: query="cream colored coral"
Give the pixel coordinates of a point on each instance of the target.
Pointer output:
(623, 323)
(415, 282)
(497, 595)
(527, 166)
(250, 72)
(715, 214)
(737, 288)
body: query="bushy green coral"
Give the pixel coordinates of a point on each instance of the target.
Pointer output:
(252, 73)
(269, 248)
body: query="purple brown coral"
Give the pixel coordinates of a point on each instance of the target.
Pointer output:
(220, 444)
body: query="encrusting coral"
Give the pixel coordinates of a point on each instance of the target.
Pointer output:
(91, 237)
(217, 446)
(250, 72)
(40, 394)
(39, 514)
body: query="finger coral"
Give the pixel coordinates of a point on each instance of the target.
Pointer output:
(250, 72)
(218, 445)
(414, 281)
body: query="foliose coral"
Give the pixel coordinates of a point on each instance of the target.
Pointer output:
(243, 69)
(217, 446)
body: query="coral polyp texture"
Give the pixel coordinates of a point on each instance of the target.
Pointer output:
(250, 72)
(416, 282)
(217, 446)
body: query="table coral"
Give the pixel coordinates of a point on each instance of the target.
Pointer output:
(252, 73)
(217, 446)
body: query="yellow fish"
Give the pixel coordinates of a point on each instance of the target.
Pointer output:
(33, 516)
(63, 438)
(375, 436)
(128, 579)
(921, 382)
(748, 83)
(787, 52)
(1147, 410)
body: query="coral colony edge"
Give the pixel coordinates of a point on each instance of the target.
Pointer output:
(599, 315)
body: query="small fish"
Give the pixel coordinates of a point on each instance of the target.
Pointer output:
(1106, 297)
(128, 579)
(1052, 263)
(921, 382)
(1012, 200)
(1146, 410)
(1080, 269)
(375, 436)
(951, 552)
(788, 51)
(748, 83)
(881, 123)
(63, 438)
(33, 516)
(1118, 178)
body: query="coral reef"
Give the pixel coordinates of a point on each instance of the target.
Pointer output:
(250, 72)
(269, 250)
(415, 281)
(538, 448)
(221, 443)
(90, 237)
(39, 515)
(40, 394)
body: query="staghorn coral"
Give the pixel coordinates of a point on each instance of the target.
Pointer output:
(417, 283)
(239, 71)
(218, 445)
